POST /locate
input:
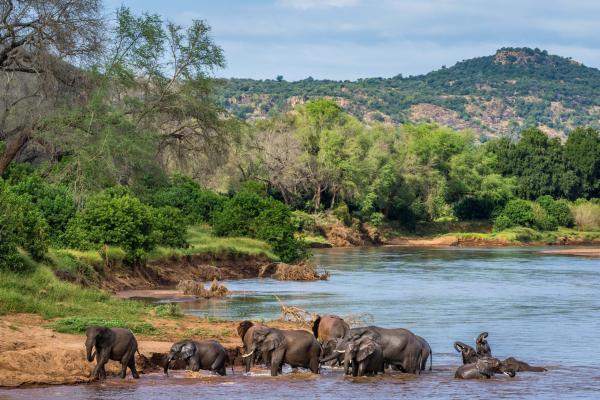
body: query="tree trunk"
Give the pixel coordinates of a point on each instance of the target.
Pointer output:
(318, 198)
(13, 148)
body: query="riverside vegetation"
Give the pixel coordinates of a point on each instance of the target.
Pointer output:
(102, 168)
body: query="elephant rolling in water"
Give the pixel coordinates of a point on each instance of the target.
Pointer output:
(521, 366)
(294, 347)
(483, 368)
(482, 345)
(116, 344)
(469, 355)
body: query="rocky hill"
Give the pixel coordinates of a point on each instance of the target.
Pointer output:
(494, 95)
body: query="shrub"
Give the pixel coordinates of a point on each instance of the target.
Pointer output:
(303, 222)
(21, 225)
(169, 227)
(120, 221)
(377, 219)
(516, 213)
(53, 201)
(586, 215)
(342, 212)
(558, 209)
(249, 213)
(543, 220)
(196, 204)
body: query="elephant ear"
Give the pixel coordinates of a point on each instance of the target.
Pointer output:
(365, 350)
(187, 350)
(273, 341)
(103, 336)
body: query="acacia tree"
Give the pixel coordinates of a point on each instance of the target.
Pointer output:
(40, 41)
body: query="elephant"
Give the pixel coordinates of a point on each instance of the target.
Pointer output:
(469, 355)
(294, 347)
(364, 356)
(484, 368)
(401, 348)
(425, 354)
(245, 330)
(482, 345)
(207, 354)
(521, 366)
(327, 330)
(116, 344)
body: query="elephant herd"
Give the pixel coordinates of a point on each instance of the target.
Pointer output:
(361, 351)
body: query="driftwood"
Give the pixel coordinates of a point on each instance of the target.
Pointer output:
(194, 288)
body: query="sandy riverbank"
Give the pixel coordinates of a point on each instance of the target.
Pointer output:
(586, 252)
(31, 353)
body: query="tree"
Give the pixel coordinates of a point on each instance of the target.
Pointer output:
(582, 156)
(38, 40)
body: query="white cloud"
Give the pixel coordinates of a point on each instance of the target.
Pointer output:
(312, 4)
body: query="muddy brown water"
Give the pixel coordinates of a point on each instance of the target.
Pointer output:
(540, 308)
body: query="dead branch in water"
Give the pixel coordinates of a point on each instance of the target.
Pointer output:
(295, 314)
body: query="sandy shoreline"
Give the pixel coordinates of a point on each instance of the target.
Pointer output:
(32, 354)
(584, 252)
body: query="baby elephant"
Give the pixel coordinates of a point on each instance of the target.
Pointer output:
(364, 355)
(116, 344)
(483, 368)
(521, 366)
(207, 354)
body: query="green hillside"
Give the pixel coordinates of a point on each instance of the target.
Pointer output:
(495, 95)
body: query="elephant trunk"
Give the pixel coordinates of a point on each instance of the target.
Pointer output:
(347, 363)
(169, 359)
(89, 345)
(329, 357)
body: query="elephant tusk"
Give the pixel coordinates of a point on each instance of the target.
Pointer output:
(341, 351)
(247, 355)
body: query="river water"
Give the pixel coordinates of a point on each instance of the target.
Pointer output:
(540, 308)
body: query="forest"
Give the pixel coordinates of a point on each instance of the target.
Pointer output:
(113, 133)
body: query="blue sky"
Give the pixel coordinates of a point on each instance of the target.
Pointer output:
(350, 39)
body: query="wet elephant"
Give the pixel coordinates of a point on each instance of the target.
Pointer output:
(401, 348)
(483, 368)
(207, 355)
(521, 366)
(327, 330)
(482, 346)
(469, 355)
(294, 347)
(246, 330)
(116, 344)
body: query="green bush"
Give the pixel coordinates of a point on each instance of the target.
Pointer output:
(516, 213)
(170, 227)
(543, 220)
(21, 225)
(250, 213)
(376, 219)
(196, 204)
(558, 209)
(53, 201)
(303, 222)
(342, 212)
(120, 221)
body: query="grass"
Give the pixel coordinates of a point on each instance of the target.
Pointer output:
(205, 333)
(528, 235)
(202, 241)
(41, 292)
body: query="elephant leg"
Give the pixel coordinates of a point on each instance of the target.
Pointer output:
(355, 367)
(102, 359)
(248, 363)
(314, 364)
(276, 362)
(134, 372)
(362, 368)
(126, 360)
(218, 366)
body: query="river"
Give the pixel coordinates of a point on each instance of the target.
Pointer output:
(540, 308)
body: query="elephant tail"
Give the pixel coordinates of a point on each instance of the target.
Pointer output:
(430, 360)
